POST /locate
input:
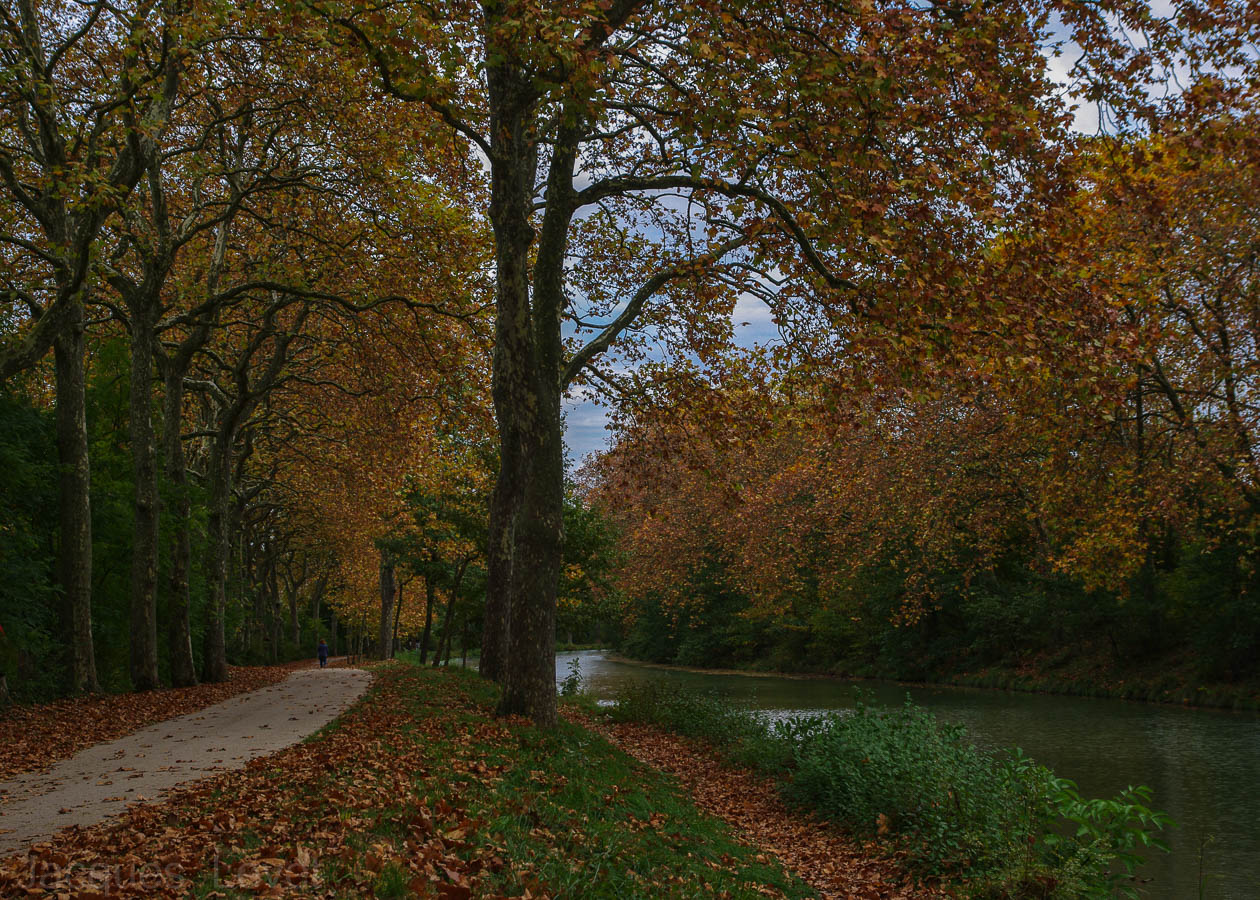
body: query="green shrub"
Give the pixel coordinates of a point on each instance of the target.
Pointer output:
(904, 773)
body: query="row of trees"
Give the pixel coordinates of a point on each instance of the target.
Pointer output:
(1088, 490)
(233, 247)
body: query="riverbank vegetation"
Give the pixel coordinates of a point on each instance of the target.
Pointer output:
(992, 825)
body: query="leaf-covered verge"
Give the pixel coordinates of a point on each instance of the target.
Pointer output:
(830, 859)
(416, 791)
(990, 825)
(38, 736)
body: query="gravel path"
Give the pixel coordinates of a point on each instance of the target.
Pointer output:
(102, 780)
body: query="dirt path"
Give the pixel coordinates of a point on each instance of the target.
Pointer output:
(101, 780)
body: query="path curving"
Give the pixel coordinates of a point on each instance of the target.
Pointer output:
(100, 781)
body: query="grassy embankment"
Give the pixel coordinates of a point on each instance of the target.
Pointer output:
(992, 825)
(420, 791)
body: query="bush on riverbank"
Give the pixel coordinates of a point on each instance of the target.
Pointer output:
(998, 824)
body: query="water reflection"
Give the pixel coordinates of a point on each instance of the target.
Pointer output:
(1204, 765)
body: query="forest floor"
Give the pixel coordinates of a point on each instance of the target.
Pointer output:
(101, 780)
(418, 790)
(37, 736)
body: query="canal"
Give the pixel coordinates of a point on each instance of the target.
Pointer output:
(1204, 765)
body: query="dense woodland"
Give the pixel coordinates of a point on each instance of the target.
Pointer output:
(291, 295)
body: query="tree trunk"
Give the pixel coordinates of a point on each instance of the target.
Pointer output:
(144, 551)
(295, 630)
(429, 592)
(497, 620)
(179, 635)
(444, 646)
(397, 618)
(463, 646)
(333, 642)
(74, 561)
(275, 630)
(527, 404)
(220, 477)
(513, 167)
(389, 588)
(530, 686)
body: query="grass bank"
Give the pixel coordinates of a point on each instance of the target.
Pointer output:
(992, 825)
(418, 790)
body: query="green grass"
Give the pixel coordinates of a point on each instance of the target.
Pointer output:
(420, 778)
(581, 817)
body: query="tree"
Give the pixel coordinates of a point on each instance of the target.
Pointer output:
(853, 150)
(87, 92)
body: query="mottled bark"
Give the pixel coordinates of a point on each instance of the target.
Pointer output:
(497, 617)
(444, 645)
(219, 476)
(179, 633)
(397, 618)
(430, 591)
(530, 687)
(144, 553)
(389, 588)
(533, 396)
(74, 561)
(513, 164)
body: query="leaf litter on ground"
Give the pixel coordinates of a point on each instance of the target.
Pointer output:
(417, 791)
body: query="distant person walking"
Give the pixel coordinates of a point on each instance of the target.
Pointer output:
(322, 653)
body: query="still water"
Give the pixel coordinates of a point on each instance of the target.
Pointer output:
(1204, 765)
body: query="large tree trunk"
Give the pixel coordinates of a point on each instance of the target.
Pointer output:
(530, 686)
(389, 588)
(528, 401)
(513, 165)
(75, 505)
(144, 551)
(179, 635)
(497, 620)
(217, 559)
(430, 591)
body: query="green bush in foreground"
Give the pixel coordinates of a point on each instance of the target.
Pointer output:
(997, 824)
